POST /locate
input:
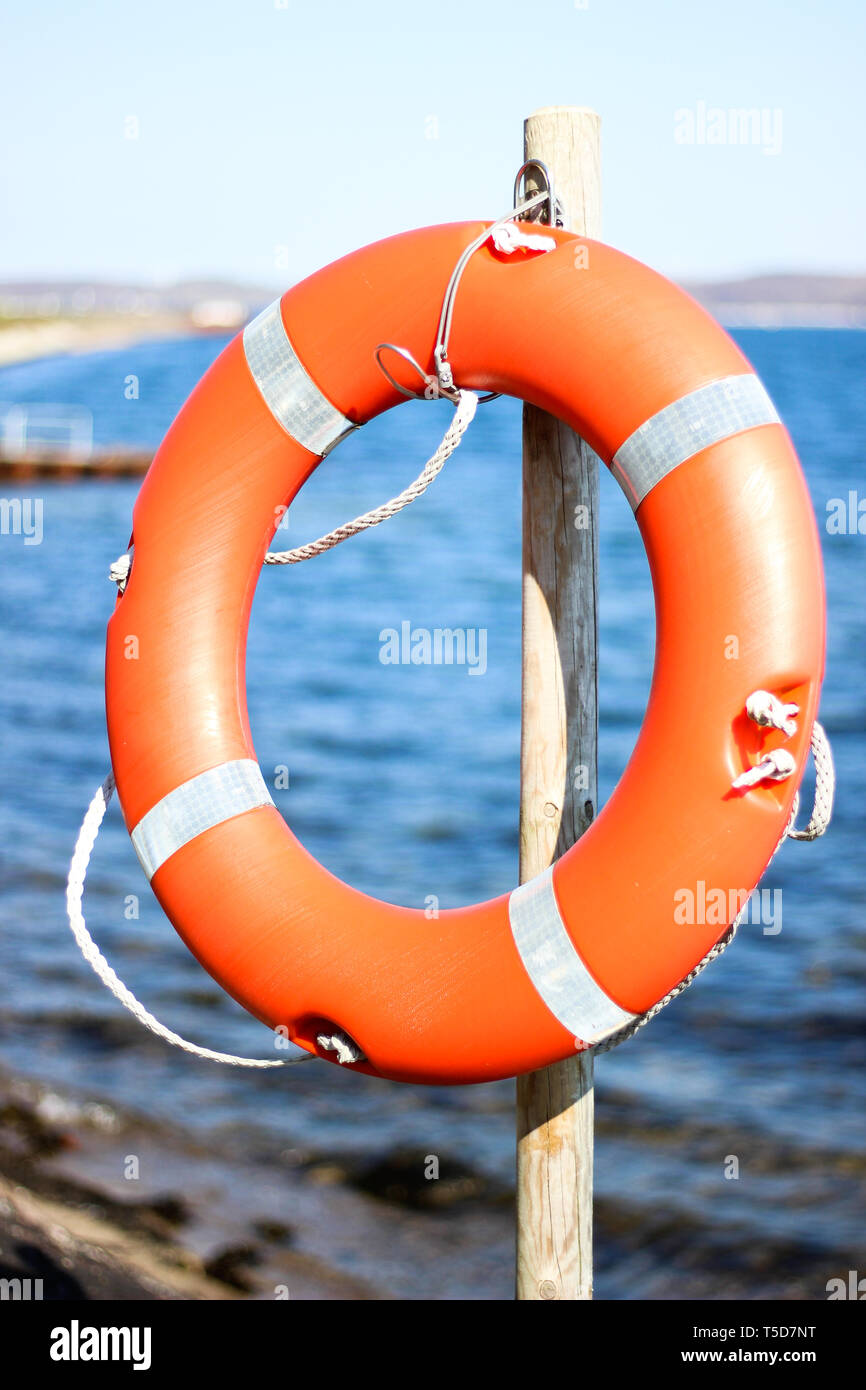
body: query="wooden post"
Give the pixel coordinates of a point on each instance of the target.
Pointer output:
(558, 761)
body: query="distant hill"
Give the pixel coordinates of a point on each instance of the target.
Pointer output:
(780, 301)
(187, 298)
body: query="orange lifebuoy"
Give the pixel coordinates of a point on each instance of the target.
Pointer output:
(669, 402)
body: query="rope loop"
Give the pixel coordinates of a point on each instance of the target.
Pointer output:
(825, 788)
(769, 711)
(822, 811)
(467, 404)
(93, 819)
(507, 238)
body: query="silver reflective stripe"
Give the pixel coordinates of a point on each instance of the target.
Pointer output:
(693, 423)
(196, 806)
(290, 393)
(553, 965)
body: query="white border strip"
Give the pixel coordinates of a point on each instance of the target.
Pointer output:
(704, 417)
(553, 965)
(195, 806)
(289, 391)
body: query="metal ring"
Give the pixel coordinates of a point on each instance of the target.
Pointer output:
(429, 380)
(407, 357)
(554, 207)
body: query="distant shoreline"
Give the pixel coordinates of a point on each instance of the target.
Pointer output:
(39, 341)
(34, 339)
(807, 317)
(47, 319)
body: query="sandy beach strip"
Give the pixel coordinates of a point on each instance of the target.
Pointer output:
(26, 340)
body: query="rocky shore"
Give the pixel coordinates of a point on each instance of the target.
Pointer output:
(100, 1205)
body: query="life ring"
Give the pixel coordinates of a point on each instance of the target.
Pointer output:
(669, 402)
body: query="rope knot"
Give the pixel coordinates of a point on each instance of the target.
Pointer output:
(775, 766)
(769, 711)
(119, 572)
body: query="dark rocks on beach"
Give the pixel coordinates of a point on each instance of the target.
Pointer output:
(25, 1136)
(36, 1265)
(171, 1209)
(64, 1236)
(275, 1232)
(230, 1266)
(410, 1179)
(27, 1140)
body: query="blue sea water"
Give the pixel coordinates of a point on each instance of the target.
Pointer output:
(404, 781)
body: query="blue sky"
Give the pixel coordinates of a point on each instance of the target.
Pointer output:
(274, 135)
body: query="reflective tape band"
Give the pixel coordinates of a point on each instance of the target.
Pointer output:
(289, 391)
(693, 423)
(195, 806)
(553, 965)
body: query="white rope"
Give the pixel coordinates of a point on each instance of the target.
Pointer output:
(467, 404)
(775, 766)
(346, 1048)
(764, 709)
(768, 710)
(118, 573)
(713, 954)
(507, 238)
(825, 788)
(74, 895)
